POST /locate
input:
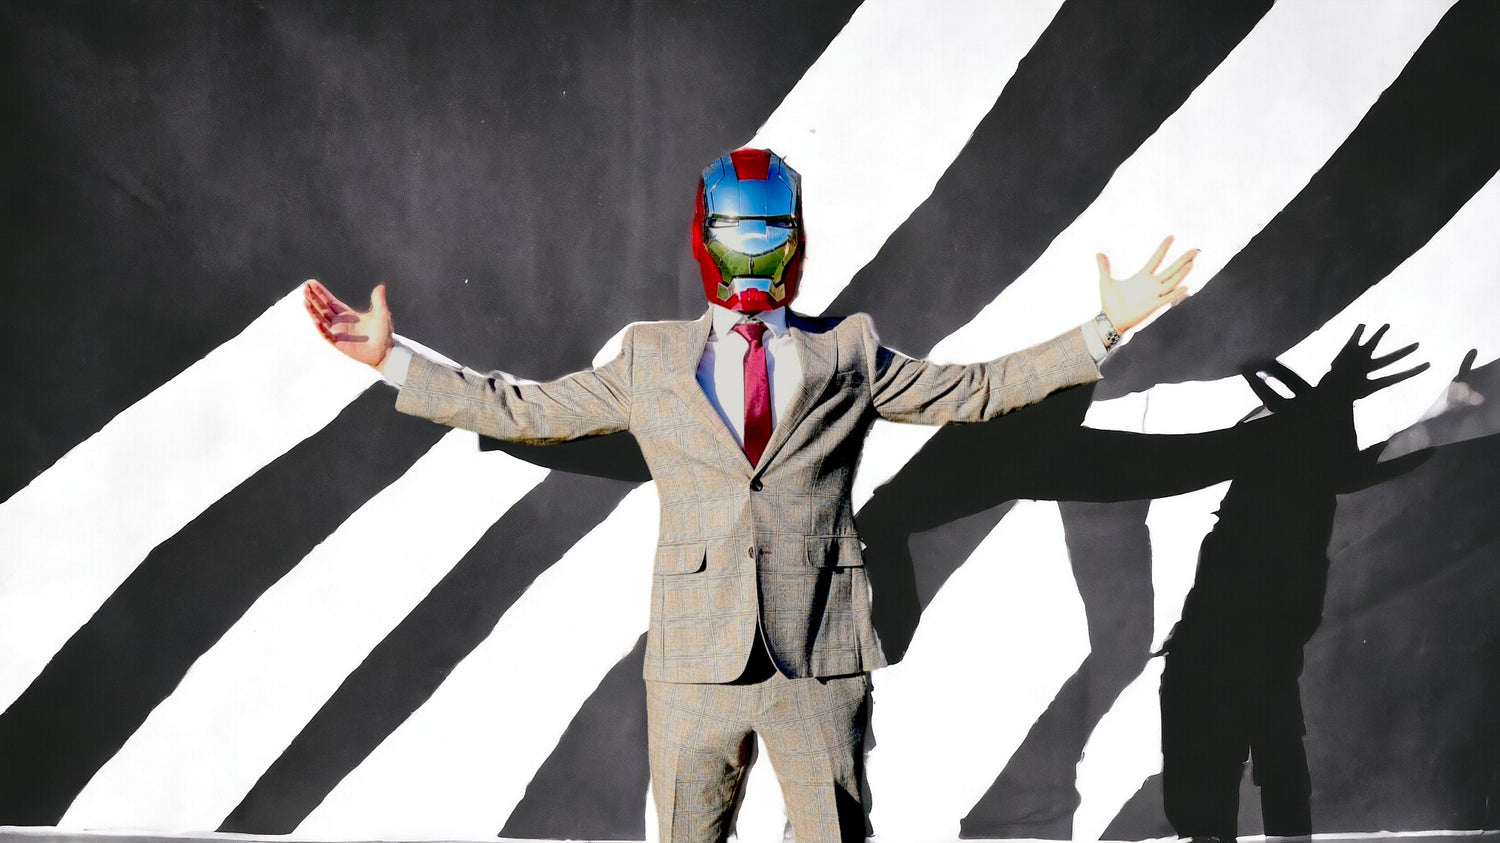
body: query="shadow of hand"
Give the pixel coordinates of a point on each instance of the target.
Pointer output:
(1320, 418)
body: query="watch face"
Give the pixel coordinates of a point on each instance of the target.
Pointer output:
(1107, 331)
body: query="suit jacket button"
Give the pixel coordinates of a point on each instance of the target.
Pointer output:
(756, 485)
(752, 552)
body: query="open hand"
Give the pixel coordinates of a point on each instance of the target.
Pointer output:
(364, 336)
(1348, 377)
(1127, 302)
(1323, 416)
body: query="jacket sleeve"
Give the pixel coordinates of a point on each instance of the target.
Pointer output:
(587, 403)
(905, 389)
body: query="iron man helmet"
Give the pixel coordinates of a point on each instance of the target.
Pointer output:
(747, 233)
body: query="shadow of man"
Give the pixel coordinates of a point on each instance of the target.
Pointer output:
(1230, 686)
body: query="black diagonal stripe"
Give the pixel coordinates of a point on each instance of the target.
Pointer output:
(135, 649)
(1425, 147)
(405, 669)
(607, 734)
(1099, 81)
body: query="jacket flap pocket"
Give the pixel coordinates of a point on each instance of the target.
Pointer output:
(680, 559)
(828, 551)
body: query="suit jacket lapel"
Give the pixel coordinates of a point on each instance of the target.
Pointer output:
(818, 351)
(687, 350)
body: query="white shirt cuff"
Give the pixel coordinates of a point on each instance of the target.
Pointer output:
(1092, 339)
(397, 362)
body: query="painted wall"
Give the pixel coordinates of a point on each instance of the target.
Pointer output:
(222, 605)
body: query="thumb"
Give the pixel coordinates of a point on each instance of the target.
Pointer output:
(1467, 366)
(1103, 266)
(377, 299)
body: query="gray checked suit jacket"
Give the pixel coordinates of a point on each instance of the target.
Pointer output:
(772, 545)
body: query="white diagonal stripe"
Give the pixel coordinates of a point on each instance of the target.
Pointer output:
(1014, 601)
(253, 691)
(460, 763)
(74, 534)
(879, 117)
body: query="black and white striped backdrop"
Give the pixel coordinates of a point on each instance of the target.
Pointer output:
(222, 605)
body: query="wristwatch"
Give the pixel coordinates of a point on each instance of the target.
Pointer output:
(1107, 331)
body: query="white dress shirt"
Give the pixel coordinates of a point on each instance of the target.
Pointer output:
(721, 369)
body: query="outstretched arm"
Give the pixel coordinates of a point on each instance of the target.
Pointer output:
(905, 389)
(910, 390)
(496, 404)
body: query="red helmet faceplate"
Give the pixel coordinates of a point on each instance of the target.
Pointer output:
(747, 232)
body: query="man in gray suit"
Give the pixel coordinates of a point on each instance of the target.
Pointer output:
(751, 420)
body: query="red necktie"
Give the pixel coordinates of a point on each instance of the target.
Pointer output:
(757, 391)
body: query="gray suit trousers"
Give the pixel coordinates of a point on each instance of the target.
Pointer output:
(701, 739)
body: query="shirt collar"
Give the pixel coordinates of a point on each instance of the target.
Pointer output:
(725, 320)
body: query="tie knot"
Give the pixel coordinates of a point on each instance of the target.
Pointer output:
(751, 331)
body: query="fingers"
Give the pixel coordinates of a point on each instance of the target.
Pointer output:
(319, 315)
(1383, 382)
(1291, 379)
(377, 299)
(1177, 294)
(1170, 284)
(1156, 259)
(1468, 365)
(1179, 268)
(1379, 332)
(328, 327)
(1260, 378)
(317, 292)
(1268, 396)
(1387, 359)
(326, 317)
(1353, 341)
(314, 304)
(1103, 266)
